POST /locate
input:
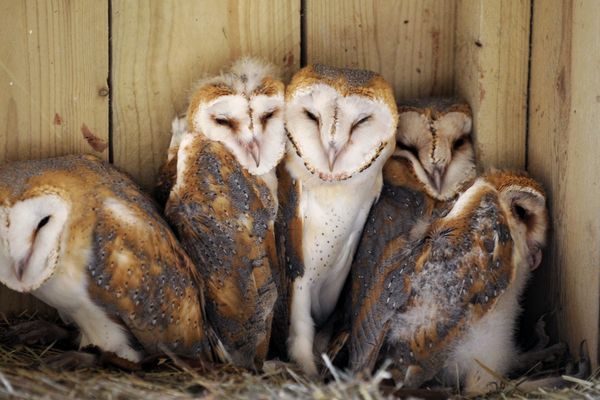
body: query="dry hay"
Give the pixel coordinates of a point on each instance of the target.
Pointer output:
(24, 375)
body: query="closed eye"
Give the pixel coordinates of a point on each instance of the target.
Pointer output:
(410, 148)
(267, 116)
(223, 121)
(42, 223)
(311, 116)
(360, 122)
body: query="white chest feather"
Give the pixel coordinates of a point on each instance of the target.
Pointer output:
(333, 215)
(67, 292)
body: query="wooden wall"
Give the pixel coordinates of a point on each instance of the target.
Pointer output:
(107, 77)
(564, 142)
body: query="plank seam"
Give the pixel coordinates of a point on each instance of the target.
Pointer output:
(528, 94)
(303, 34)
(110, 86)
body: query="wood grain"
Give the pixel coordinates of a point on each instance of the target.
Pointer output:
(410, 42)
(491, 67)
(161, 47)
(53, 75)
(563, 153)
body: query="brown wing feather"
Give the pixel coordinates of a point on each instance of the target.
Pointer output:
(288, 237)
(224, 217)
(142, 276)
(166, 179)
(400, 206)
(467, 260)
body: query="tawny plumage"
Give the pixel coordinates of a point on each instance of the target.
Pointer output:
(224, 201)
(83, 238)
(167, 173)
(433, 160)
(341, 125)
(451, 295)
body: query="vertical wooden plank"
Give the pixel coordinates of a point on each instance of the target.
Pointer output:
(53, 75)
(53, 72)
(161, 47)
(564, 143)
(410, 42)
(491, 69)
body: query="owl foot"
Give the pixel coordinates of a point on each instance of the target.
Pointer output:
(541, 351)
(581, 371)
(584, 366)
(39, 332)
(301, 353)
(71, 360)
(88, 357)
(529, 359)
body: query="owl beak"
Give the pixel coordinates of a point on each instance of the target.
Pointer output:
(436, 177)
(20, 266)
(332, 154)
(254, 150)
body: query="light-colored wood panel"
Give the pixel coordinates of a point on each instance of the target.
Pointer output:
(491, 69)
(410, 42)
(161, 47)
(53, 72)
(53, 75)
(564, 143)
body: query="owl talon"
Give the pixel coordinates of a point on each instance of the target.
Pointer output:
(584, 367)
(38, 332)
(542, 337)
(529, 359)
(71, 360)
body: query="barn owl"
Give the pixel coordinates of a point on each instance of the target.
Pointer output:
(82, 237)
(434, 159)
(446, 304)
(434, 135)
(341, 125)
(223, 202)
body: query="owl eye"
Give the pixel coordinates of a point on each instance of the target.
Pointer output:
(42, 223)
(410, 148)
(267, 116)
(360, 122)
(458, 143)
(223, 121)
(311, 116)
(520, 212)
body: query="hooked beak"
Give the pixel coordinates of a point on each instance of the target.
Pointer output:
(20, 266)
(436, 177)
(535, 255)
(254, 149)
(332, 154)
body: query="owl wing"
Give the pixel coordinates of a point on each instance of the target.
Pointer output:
(377, 261)
(168, 171)
(288, 238)
(224, 217)
(142, 277)
(467, 260)
(167, 175)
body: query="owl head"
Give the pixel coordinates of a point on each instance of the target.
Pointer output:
(435, 135)
(242, 109)
(339, 121)
(524, 202)
(34, 214)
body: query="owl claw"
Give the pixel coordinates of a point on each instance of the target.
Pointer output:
(37, 332)
(71, 360)
(584, 367)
